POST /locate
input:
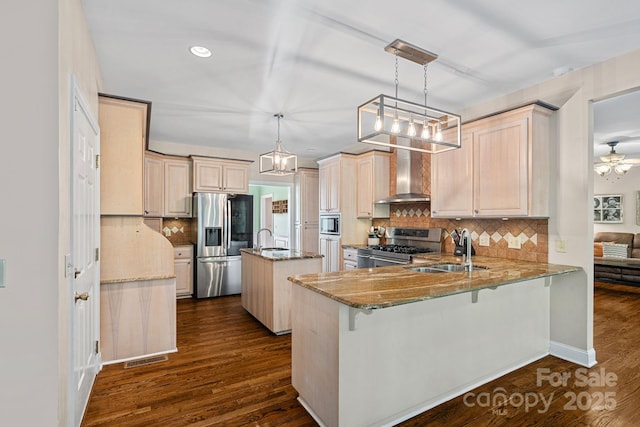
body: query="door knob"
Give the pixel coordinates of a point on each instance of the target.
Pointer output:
(83, 296)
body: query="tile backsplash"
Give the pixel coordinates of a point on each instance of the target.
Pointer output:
(533, 233)
(177, 231)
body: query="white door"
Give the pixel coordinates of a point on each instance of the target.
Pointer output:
(85, 266)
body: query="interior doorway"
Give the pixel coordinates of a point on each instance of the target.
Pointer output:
(266, 219)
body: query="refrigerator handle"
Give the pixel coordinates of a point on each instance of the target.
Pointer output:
(228, 226)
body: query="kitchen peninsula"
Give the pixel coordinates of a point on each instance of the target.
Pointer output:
(378, 346)
(266, 292)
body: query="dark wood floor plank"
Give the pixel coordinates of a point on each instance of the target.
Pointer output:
(230, 370)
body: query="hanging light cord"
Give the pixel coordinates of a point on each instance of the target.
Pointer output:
(425, 86)
(279, 116)
(396, 80)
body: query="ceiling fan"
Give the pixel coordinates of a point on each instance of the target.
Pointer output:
(614, 162)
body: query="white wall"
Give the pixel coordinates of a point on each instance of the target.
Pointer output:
(29, 213)
(572, 178)
(628, 185)
(42, 42)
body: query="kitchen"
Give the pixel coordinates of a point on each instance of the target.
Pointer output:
(40, 320)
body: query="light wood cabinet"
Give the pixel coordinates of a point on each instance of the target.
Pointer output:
(183, 267)
(123, 133)
(331, 253)
(177, 188)
(306, 187)
(372, 184)
(167, 186)
(329, 183)
(502, 169)
(153, 185)
(220, 176)
(349, 259)
(266, 292)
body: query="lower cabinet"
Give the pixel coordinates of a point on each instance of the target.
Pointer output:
(330, 251)
(183, 267)
(349, 259)
(266, 291)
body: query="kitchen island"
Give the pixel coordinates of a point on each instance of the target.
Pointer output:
(266, 292)
(378, 346)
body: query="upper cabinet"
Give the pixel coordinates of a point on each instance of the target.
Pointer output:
(306, 185)
(177, 188)
(220, 176)
(153, 185)
(502, 169)
(372, 184)
(167, 186)
(329, 182)
(123, 134)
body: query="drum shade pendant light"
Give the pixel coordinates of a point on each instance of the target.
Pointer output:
(279, 161)
(396, 123)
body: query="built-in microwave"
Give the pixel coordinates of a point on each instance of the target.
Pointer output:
(330, 224)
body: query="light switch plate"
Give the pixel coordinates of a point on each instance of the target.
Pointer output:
(561, 245)
(3, 273)
(514, 242)
(484, 240)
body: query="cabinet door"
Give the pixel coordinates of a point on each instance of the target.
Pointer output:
(334, 257)
(501, 169)
(153, 186)
(122, 137)
(177, 188)
(183, 269)
(236, 179)
(329, 182)
(365, 188)
(309, 208)
(325, 252)
(309, 238)
(207, 176)
(452, 181)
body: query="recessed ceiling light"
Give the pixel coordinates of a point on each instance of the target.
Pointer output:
(200, 51)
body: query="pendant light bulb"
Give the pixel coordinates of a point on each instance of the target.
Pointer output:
(395, 127)
(426, 131)
(411, 131)
(378, 125)
(438, 132)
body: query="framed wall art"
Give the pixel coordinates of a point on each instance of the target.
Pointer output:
(607, 208)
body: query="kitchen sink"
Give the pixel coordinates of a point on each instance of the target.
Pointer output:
(443, 268)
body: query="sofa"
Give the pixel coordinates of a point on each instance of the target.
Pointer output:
(610, 263)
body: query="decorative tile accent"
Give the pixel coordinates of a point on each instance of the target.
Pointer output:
(418, 212)
(534, 239)
(496, 237)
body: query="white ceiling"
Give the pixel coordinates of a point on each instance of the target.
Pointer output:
(316, 61)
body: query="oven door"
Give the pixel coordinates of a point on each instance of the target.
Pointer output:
(364, 259)
(384, 262)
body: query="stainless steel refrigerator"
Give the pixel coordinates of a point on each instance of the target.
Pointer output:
(223, 224)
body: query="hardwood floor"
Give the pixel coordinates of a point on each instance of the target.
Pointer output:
(230, 370)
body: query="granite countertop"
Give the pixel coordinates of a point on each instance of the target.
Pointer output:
(390, 286)
(280, 255)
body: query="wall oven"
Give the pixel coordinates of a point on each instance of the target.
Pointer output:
(330, 224)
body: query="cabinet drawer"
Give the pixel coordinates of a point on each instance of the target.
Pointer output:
(183, 252)
(350, 254)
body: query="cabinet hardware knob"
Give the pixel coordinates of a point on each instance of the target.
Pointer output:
(83, 296)
(76, 273)
(475, 210)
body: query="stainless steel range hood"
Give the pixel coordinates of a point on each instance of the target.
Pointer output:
(408, 178)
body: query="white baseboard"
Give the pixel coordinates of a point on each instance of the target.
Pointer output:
(569, 353)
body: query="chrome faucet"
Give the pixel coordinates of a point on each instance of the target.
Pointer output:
(258, 246)
(466, 256)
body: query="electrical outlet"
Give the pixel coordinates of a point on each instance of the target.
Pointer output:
(484, 240)
(561, 245)
(514, 242)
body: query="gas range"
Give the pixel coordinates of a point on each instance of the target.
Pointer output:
(404, 243)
